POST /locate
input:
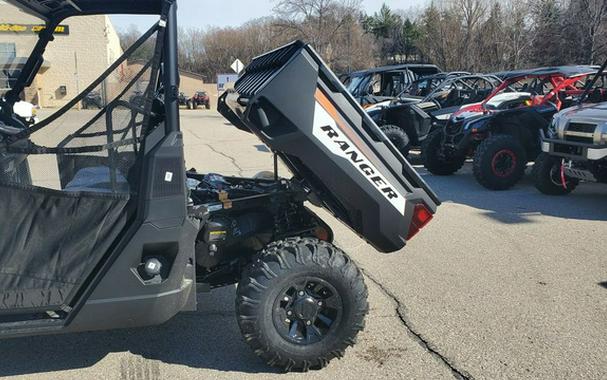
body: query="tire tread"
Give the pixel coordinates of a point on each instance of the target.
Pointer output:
(287, 254)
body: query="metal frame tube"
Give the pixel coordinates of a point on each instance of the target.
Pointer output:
(171, 72)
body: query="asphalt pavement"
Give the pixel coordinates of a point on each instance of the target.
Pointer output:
(500, 285)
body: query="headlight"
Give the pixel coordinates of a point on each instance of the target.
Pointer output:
(553, 129)
(603, 131)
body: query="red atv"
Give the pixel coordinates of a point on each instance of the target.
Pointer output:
(201, 98)
(502, 133)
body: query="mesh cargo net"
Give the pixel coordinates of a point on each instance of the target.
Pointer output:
(68, 184)
(91, 144)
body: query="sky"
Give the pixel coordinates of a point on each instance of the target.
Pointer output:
(206, 13)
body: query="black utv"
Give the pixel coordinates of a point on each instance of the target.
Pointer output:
(407, 120)
(386, 82)
(92, 100)
(127, 236)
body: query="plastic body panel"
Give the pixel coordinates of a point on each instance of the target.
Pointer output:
(299, 108)
(116, 296)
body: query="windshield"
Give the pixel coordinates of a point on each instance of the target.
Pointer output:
(357, 84)
(531, 85)
(18, 36)
(458, 91)
(422, 87)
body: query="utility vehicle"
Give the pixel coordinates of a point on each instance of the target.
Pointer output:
(574, 146)
(425, 85)
(386, 82)
(407, 120)
(201, 98)
(126, 236)
(502, 133)
(92, 100)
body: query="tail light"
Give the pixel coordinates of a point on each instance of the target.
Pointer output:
(421, 217)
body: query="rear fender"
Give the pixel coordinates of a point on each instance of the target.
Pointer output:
(412, 119)
(321, 223)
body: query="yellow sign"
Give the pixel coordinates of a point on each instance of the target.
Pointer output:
(29, 28)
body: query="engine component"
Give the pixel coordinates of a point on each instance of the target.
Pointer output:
(226, 236)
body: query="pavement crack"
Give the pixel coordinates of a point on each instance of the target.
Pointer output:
(417, 336)
(232, 159)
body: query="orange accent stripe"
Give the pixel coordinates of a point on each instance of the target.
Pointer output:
(341, 124)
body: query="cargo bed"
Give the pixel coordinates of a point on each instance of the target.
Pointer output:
(293, 102)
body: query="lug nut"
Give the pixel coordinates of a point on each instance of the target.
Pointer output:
(319, 303)
(286, 299)
(289, 313)
(301, 293)
(308, 323)
(287, 320)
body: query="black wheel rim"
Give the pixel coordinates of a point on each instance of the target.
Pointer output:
(307, 311)
(504, 163)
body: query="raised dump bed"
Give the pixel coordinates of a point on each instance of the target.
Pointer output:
(293, 102)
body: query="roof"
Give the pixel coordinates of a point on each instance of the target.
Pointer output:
(413, 67)
(565, 71)
(444, 75)
(61, 9)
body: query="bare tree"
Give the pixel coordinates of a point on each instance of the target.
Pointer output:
(471, 13)
(472, 35)
(516, 34)
(325, 24)
(586, 29)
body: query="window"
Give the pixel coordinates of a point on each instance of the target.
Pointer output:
(8, 51)
(8, 79)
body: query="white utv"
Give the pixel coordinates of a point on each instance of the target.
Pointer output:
(574, 148)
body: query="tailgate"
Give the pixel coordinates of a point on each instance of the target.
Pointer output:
(293, 102)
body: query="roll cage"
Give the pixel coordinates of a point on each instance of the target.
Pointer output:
(560, 81)
(463, 83)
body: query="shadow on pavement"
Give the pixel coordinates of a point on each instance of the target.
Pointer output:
(587, 202)
(603, 284)
(208, 339)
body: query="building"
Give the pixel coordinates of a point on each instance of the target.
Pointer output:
(84, 48)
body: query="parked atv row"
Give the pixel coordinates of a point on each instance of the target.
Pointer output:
(496, 120)
(408, 119)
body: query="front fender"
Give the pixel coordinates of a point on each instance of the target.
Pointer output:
(478, 125)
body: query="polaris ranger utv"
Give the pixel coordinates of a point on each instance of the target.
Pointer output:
(126, 236)
(574, 148)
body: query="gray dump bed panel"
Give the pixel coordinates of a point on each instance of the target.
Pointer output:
(298, 107)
